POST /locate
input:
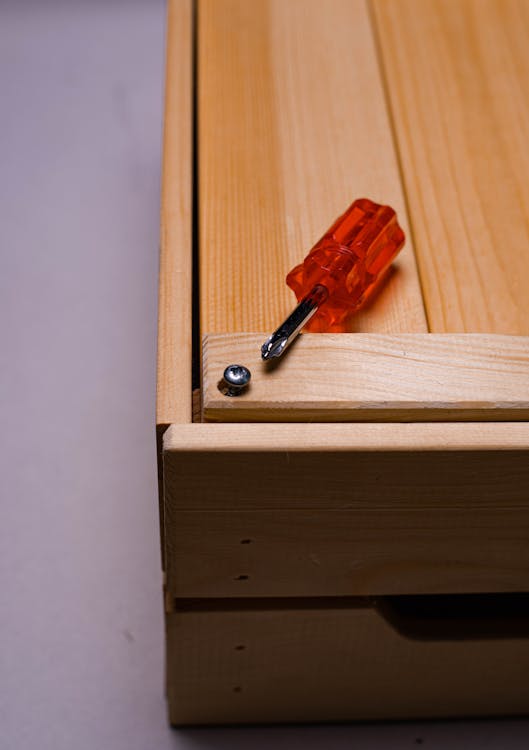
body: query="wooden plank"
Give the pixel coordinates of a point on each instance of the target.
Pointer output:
(424, 494)
(457, 77)
(339, 438)
(332, 466)
(173, 393)
(366, 500)
(292, 127)
(173, 376)
(364, 551)
(330, 664)
(372, 377)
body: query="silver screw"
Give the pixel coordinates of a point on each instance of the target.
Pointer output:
(234, 380)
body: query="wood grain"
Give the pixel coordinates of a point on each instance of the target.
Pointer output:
(457, 74)
(173, 372)
(329, 664)
(372, 377)
(345, 508)
(292, 128)
(293, 125)
(364, 551)
(223, 467)
(337, 438)
(173, 393)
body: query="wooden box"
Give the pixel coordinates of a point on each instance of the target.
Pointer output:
(349, 538)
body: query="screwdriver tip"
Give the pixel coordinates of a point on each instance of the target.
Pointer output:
(273, 347)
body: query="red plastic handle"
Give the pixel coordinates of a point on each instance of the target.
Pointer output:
(348, 261)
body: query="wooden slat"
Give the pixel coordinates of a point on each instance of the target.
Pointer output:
(352, 496)
(227, 466)
(173, 379)
(173, 393)
(457, 74)
(372, 377)
(292, 127)
(368, 551)
(328, 664)
(339, 438)
(325, 479)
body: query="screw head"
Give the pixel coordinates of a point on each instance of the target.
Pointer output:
(235, 379)
(237, 375)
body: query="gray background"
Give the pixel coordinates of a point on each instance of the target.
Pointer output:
(81, 639)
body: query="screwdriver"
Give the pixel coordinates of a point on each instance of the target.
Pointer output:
(339, 273)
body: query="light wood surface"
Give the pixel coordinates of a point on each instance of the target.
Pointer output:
(457, 76)
(292, 128)
(173, 372)
(293, 124)
(333, 466)
(372, 377)
(338, 438)
(173, 393)
(423, 549)
(327, 664)
(378, 508)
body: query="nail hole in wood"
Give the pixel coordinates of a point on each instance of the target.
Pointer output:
(241, 578)
(240, 647)
(237, 689)
(246, 541)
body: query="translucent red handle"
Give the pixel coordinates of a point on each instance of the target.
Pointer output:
(348, 261)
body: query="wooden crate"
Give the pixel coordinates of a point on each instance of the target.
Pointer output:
(349, 539)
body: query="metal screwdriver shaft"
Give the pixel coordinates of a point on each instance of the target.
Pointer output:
(340, 272)
(275, 345)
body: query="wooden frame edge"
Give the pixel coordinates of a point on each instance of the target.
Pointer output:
(296, 437)
(173, 387)
(372, 377)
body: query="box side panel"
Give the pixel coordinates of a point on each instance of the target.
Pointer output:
(330, 665)
(242, 521)
(324, 479)
(354, 552)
